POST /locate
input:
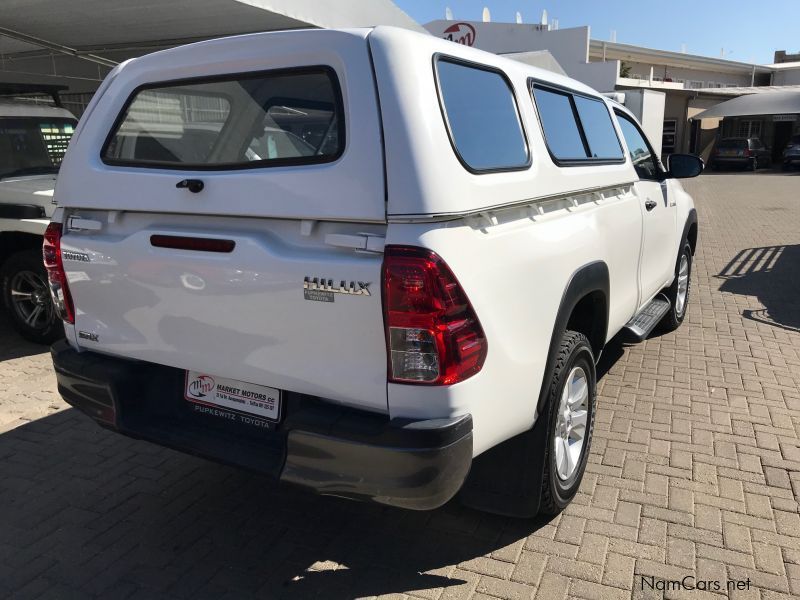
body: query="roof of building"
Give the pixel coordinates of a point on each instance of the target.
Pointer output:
(746, 90)
(615, 50)
(785, 65)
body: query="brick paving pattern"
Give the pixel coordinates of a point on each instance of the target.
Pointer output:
(694, 470)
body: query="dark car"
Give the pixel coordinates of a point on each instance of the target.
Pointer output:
(745, 153)
(791, 154)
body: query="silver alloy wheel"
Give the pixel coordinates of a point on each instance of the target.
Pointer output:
(571, 421)
(30, 298)
(683, 285)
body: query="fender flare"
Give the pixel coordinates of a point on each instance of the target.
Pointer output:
(691, 219)
(592, 277)
(520, 494)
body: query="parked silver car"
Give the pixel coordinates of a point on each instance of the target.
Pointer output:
(791, 154)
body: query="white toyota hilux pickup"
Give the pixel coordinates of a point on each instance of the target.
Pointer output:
(371, 263)
(33, 139)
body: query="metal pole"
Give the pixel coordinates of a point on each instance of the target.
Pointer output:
(23, 37)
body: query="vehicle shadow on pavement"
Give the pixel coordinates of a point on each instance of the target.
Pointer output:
(613, 351)
(12, 345)
(88, 512)
(771, 274)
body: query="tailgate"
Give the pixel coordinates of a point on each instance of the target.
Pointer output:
(266, 151)
(246, 314)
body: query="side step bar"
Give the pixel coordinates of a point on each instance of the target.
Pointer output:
(646, 319)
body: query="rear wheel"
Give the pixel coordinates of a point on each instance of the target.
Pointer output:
(570, 419)
(26, 296)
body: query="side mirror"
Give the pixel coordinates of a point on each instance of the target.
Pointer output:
(684, 166)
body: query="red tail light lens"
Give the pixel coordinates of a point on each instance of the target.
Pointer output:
(432, 332)
(59, 288)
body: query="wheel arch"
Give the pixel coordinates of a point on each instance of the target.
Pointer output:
(584, 307)
(690, 230)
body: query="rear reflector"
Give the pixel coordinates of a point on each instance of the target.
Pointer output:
(433, 334)
(56, 276)
(179, 242)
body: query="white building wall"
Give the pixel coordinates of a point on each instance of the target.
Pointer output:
(706, 78)
(787, 76)
(570, 47)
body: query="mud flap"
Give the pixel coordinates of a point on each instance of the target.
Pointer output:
(507, 479)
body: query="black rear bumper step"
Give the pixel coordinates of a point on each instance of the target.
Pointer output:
(318, 445)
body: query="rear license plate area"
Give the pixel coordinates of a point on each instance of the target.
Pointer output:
(232, 400)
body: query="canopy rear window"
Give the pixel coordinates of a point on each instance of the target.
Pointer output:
(275, 118)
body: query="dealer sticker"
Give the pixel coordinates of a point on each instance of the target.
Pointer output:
(237, 396)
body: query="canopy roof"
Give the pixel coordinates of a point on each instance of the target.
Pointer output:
(768, 103)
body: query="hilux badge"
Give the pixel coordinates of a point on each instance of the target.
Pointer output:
(320, 289)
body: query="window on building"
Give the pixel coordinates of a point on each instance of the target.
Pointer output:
(696, 84)
(669, 135)
(576, 127)
(481, 113)
(747, 128)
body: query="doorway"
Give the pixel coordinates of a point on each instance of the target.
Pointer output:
(781, 135)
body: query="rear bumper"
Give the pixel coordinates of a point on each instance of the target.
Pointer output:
(317, 445)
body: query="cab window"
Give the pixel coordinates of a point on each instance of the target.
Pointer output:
(577, 128)
(644, 161)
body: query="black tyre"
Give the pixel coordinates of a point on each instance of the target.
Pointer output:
(570, 422)
(680, 291)
(26, 296)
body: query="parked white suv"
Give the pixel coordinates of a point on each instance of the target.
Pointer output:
(371, 263)
(33, 139)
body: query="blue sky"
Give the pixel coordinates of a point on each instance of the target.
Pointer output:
(748, 31)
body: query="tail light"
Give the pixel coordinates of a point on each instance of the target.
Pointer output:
(432, 332)
(57, 277)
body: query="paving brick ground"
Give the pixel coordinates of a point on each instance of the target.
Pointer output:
(695, 470)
